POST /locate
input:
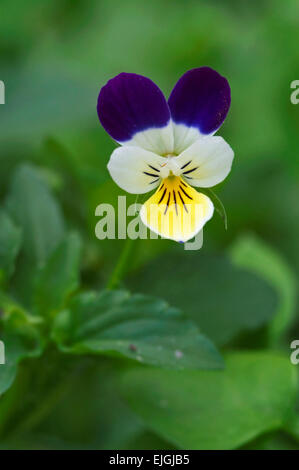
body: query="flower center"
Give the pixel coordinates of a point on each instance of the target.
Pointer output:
(170, 167)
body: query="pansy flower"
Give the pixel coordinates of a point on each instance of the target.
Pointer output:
(168, 146)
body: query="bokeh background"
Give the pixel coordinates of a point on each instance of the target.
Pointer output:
(240, 289)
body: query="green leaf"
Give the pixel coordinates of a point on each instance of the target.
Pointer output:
(138, 327)
(253, 254)
(292, 426)
(10, 241)
(214, 409)
(59, 277)
(20, 337)
(36, 212)
(273, 441)
(218, 204)
(221, 298)
(104, 409)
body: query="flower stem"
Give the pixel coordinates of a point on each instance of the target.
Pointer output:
(121, 266)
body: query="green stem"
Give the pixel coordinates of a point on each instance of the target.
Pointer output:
(121, 266)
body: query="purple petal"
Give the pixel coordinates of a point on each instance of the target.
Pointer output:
(131, 103)
(201, 99)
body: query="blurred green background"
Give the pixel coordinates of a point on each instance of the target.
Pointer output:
(240, 289)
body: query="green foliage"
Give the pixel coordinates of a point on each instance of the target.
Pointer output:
(138, 327)
(251, 253)
(59, 276)
(10, 240)
(214, 410)
(34, 210)
(272, 441)
(38, 215)
(222, 299)
(20, 337)
(91, 368)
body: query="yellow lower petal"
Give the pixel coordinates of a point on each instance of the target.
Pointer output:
(176, 210)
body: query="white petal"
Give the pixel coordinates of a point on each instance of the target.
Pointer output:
(134, 169)
(207, 162)
(184, 136)
(158, 140)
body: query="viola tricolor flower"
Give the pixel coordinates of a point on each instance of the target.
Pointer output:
(168, 145)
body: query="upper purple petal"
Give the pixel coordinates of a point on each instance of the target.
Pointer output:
(201, 99)
(130, 103)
